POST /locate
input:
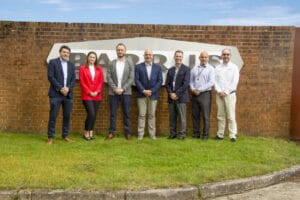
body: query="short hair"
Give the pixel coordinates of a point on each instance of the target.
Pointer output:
(64, 47)
(178, 51)
(121, 44)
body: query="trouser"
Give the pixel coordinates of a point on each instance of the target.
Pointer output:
(226, 109)
(125, 103)
(146, 106)
(91, 108)
(55, 104)
(177, 109)
(201, 106)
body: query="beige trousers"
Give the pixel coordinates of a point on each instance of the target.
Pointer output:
(226, 109)
(146, 106)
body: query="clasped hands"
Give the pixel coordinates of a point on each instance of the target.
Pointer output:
(64, 91)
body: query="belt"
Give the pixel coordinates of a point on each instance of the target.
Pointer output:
(232, 92)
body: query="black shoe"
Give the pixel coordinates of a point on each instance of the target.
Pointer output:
(181, 137)
(218, 138)
(205, 137)
(86, 138)
(196, 136)
(232, 139)
(172, 136)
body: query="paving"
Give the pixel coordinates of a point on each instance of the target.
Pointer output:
(284, 184)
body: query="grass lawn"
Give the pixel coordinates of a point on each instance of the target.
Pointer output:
(27, 162)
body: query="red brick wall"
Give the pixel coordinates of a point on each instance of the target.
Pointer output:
(264, 92)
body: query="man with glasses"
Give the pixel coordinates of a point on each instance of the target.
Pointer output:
(227, 78)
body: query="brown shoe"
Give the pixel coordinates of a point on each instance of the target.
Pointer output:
(109, 137)
(67, 139)
(50, 141)
(128, 137)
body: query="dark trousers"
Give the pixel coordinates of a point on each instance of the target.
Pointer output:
(55, 104)
(114, 101)
(91, 108)
(177, 109)
(201, 106)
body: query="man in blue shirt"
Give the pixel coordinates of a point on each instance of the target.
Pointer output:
(201, 82)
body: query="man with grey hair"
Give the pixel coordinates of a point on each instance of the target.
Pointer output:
(227, 78)
(148, 80)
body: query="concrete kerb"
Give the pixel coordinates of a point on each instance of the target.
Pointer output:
(205, 191)
(242, 185)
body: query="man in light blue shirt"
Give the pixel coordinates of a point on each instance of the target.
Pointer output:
(201, 82)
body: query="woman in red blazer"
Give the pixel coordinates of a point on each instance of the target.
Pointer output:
(91, 82)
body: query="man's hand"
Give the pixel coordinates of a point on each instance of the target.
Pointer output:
(196, 92)
(147, 93)
(173, 96)
(119, 91)
(64, 91)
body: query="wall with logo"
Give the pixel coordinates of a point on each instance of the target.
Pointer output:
(264, 92)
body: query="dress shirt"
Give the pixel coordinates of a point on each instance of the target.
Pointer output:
(148, 68)
(227, 78)
(120, 70)
(65, 70)
(202, 78)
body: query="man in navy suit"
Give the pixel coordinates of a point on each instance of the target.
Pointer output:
(177, 85)
(148, 80)
(61, 75)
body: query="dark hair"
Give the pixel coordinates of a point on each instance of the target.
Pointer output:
(121, 44)
(178, 51)
(87, 59)
(64, 47)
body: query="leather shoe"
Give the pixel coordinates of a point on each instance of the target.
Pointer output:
(50, 141)
(218, 138)
(128, 137)
(232, 139)
(109, 137)
(67, 139)
(172, 136)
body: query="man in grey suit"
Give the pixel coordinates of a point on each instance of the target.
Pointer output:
(120, 76)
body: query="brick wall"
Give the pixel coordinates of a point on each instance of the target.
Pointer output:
(264, 92)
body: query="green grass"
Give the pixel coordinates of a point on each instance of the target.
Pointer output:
(27, 162)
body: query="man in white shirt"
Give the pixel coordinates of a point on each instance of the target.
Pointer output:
(120, 76)
(227, 78)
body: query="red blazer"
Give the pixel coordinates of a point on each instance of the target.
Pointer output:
(88, 85)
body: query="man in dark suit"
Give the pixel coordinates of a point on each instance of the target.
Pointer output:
(61, 75)
(120, 76)
(177, 85)
(148, 80)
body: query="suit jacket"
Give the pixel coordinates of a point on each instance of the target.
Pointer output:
(127, 78)
(143, 83)
(181, 83)
(56, 78)
(88, 85)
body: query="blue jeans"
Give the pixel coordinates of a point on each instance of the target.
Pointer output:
(125, 103)
(55, 104)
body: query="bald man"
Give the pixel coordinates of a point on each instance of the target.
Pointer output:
(201, 82)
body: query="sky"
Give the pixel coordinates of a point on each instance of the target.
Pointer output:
(173, 12)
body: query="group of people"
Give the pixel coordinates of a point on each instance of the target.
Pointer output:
(147, 76)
